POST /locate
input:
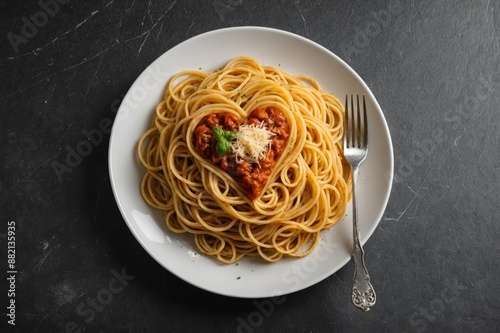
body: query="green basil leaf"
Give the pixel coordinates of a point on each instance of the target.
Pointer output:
(218, 133)
(230, 136)
(222, 147)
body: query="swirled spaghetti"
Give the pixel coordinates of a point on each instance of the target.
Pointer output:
(305, 192)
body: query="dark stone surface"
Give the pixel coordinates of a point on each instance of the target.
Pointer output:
(434, 68)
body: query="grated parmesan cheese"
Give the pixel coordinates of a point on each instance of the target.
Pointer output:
(252, 143)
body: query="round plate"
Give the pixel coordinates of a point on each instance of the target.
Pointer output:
(251, 277)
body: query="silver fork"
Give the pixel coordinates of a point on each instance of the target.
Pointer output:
(355, 149)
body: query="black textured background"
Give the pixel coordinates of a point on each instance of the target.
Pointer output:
(434, 68)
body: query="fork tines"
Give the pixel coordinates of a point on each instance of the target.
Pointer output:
(356, 129)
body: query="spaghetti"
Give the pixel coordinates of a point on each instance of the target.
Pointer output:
(306, 190)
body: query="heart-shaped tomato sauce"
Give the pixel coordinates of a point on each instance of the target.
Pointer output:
(249, 151)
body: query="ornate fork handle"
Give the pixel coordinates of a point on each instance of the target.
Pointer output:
(363, 294)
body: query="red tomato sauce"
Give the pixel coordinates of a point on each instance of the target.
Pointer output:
(252, 177)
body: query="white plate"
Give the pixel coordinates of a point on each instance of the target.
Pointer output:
(251, 277)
